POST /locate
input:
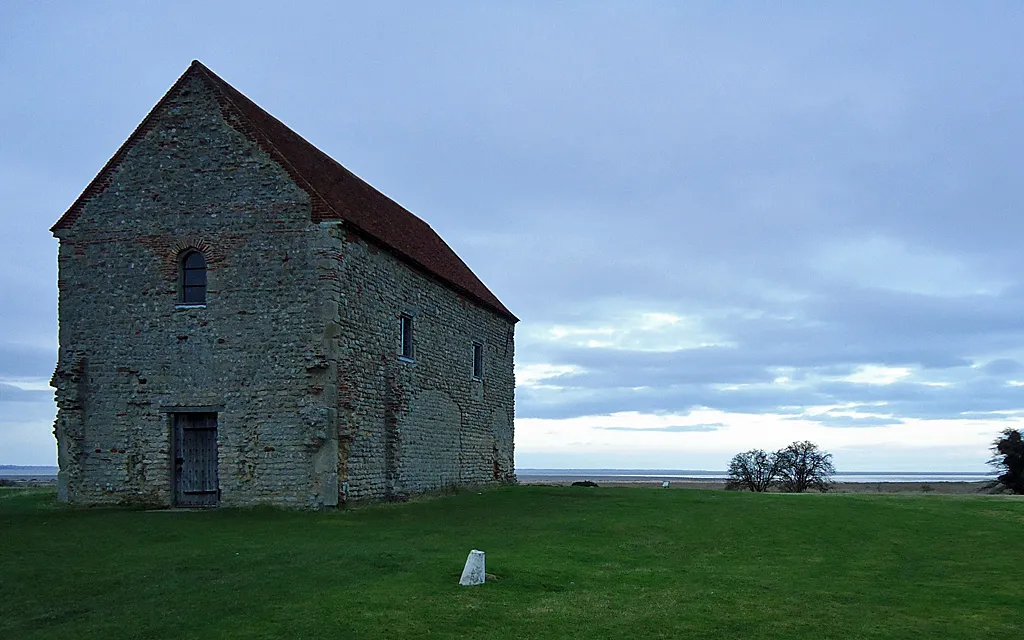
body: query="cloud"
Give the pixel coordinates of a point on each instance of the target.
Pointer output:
(841, 421)
(13, 393)
(771, 378)
(26, 360)
(1001, 367)
(26, 424)
(891, 265)
(693, 428)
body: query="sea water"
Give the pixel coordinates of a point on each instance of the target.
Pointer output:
(652, 475)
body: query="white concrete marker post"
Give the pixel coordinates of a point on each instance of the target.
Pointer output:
(473, 574)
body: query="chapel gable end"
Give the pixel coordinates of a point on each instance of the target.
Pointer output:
(194, 157)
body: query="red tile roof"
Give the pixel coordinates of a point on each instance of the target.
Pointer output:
(336, 192)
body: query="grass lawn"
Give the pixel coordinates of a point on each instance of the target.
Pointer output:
(569, 563)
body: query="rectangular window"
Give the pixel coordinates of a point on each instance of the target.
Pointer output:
(478, 361)
(407, 337)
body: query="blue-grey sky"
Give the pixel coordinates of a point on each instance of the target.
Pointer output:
(724, 225)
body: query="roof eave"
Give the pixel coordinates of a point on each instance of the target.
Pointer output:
(413, 263)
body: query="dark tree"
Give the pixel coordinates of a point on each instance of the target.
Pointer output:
(803, 466)
(754, 470)
(1008, 458)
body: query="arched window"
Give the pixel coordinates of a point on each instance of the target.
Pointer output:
(193, 278)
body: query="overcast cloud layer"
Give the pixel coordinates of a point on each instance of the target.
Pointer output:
(723, 228)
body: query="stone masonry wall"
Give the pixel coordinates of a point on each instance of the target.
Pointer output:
(412, 426)
(253, 354)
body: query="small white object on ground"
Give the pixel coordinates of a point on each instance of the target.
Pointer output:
(473, 574)
(664, 485)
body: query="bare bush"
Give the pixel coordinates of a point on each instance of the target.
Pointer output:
(754, 470)
(803, 466)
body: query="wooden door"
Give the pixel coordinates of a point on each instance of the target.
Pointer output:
(195, 455)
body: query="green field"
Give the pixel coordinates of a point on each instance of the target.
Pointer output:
(567, 563)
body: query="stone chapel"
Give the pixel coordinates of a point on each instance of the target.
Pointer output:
(243, 320)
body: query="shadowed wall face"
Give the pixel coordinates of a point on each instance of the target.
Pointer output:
(442, 427)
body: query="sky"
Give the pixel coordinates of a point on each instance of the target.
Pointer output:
(724, 226)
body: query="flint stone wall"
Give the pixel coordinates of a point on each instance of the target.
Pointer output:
(296, 349)
(441, 427)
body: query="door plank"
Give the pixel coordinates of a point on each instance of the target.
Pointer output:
(196, 482)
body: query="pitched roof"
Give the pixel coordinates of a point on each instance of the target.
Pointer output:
(336, 192)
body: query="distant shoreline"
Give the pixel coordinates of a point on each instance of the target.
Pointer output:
(667, 474)
(27, 480)
(28, 470)
(701, 475)
(946, 487)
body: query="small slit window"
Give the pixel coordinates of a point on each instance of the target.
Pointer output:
(193, 278)
(478, 361)
(407, 351)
